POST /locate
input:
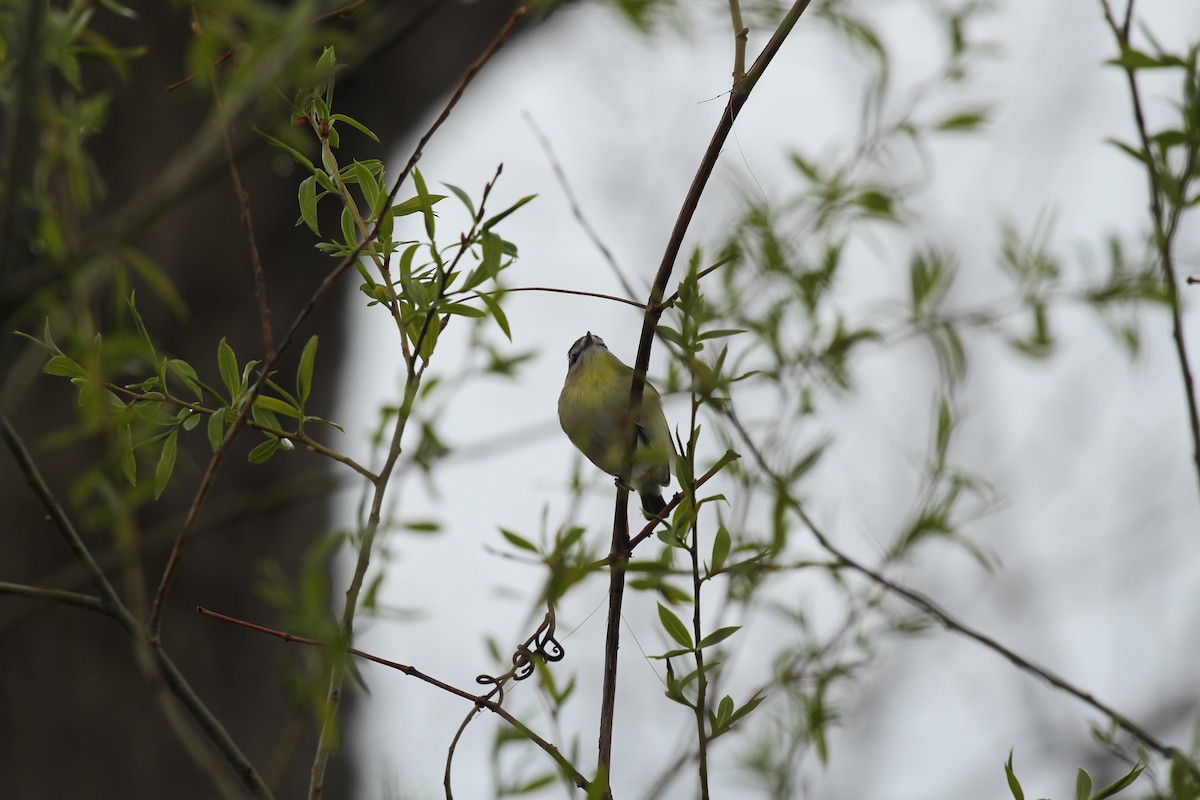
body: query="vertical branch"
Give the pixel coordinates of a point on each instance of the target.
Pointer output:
(260, 278)
(740, 34)
(697, 632)
(619, 553)
(1165, 224)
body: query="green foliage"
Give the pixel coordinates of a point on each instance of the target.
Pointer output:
(1083, 782)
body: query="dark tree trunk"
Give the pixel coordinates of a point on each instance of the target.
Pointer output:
(77, 719)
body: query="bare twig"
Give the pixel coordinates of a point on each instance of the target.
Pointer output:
(576, 210)
(740, 34)
(577, 292)
(480, 701)
(55, 596)
(247, 221)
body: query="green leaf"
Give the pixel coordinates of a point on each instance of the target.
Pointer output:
(963, 121)
(498, 217)
(1083, 785)
(187, 374)
(354, 124)
(166, 463)
(724, 710)
(291, 151)
(489, 265)
(463, 197)
(748, 707)
(227, 362)
(305, 371)
(426, 204)
(1130, 151)
(674, 627)
(720, 549)
(274, 404)
(1120, 783)
(414, 204)
(1132, 60)
(497, 313)
(349, 233)
(64, 367)
(719, 635)
(216, 430)
(141, 326)
(463, 310)
(519, 541)
(1014, 785)
(264, 451)
(366, 182)
(125, 454)
(308, 203)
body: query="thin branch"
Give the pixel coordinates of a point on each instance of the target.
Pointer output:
(948, 621)
(740, 34)
(576, 210)
(247, 221)
(577, 292)
(150, 654)
(620, 541)
(55, 596)
(480, 701)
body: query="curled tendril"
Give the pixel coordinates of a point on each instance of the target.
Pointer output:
(541, 644)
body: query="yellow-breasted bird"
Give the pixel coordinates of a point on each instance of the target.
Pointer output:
(593, 410)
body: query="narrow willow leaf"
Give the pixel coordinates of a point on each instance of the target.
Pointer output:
(64, 367)
(216, 430)
(305, 371)
(497, 313)
(1014, 785)
(273, 405)
(354, 124)
(308, 203)
(720, 548)
(264, 451)
(291, 151)
(674, 627)
(463, 198)
(719, 635)
(366, 183)
(1083, 785)
(519, 541)
(166, 463)
(227, 362)
(125, 453)
(426, 203)
(498, 217)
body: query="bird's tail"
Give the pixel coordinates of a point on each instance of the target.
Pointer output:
(652, 501)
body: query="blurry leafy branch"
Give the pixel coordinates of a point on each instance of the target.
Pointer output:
(755, 322)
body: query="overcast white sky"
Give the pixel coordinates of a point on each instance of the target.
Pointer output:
(1097, 531)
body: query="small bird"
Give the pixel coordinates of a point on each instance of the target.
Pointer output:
(593, 409)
